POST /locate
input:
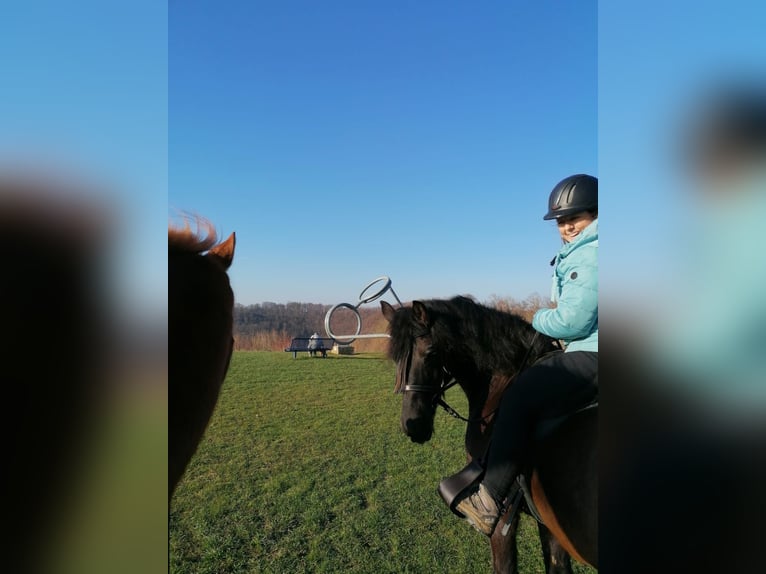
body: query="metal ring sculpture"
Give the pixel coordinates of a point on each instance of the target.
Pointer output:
(364, 298)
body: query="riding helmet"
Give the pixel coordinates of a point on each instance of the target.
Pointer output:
(573, 194)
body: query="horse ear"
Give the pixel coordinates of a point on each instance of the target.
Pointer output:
(421, 313)
(388, 311)
(224, 252)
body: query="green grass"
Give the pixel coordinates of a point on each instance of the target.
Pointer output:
(304, 469)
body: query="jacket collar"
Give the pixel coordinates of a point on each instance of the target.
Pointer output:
(588, 235)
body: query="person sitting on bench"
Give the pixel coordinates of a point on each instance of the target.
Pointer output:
(315, 344)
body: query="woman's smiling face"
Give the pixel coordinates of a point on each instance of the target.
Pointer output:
(570, 226)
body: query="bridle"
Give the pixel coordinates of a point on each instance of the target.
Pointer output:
(448, 381)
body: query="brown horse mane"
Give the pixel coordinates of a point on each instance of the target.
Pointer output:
(195, 236)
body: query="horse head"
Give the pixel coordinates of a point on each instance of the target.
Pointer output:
(420, 366)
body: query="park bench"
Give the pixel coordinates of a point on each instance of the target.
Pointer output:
(301, 345)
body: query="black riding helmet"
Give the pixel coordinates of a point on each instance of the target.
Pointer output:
(573, 194)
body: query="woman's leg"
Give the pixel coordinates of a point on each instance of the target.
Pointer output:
(560, 384)
(554, 387)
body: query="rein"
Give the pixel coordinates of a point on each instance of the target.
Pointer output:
(449, 381)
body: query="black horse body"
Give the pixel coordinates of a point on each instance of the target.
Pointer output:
(483, 349)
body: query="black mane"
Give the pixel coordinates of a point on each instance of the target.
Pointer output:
(467, 331)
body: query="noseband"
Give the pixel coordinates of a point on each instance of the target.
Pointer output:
(446, 383)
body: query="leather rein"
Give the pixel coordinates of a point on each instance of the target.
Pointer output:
(448, 381)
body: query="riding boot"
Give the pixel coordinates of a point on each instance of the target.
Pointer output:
(479, 508)
(468, 499)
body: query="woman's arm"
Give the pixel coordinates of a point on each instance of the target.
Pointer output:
(577, 311)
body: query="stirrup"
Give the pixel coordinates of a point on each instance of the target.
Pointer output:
(453, 486)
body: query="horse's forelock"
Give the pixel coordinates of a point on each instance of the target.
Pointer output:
(400, 330)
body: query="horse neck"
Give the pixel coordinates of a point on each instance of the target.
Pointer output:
(484, 392)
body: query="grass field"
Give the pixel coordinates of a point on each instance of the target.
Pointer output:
(304, 469)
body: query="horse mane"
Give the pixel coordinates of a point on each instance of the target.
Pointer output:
(494, 340)
(185, 239)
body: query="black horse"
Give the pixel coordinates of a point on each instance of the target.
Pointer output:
(483, 349)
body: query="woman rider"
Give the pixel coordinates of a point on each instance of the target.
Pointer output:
(562, 382)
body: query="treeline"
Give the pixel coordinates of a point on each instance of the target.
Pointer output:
(300, 319)
(271, 326)
(525, 308)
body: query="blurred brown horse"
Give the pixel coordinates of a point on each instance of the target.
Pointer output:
(200, 342)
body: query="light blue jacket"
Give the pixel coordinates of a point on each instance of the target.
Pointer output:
(711, 339)
(575, 288)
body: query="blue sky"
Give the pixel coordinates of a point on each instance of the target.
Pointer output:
(346, 140)
(414, 141)
(84, 89)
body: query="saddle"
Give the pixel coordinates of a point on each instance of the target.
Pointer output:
(451, 488)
